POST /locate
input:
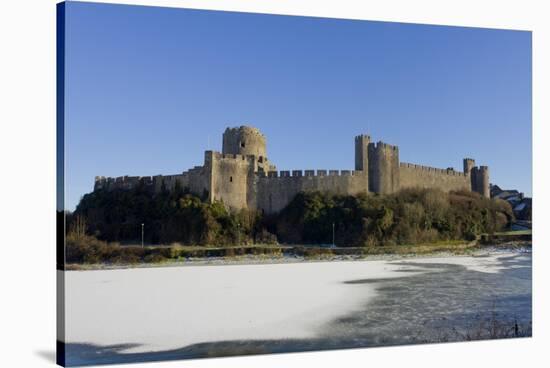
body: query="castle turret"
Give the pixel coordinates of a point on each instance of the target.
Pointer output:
(362, 153)
(480, 181)
(244, 140)
(383, 161)
(469, 164)
(99, 182)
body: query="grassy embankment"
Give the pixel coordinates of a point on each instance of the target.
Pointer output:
(103, 254)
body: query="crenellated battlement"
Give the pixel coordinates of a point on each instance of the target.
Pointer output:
(260, 163)
(305, 174)
(384, 146)
(228, 156)
(249, 130)
(362, 137)
(429, 169)
(155, 182)
(121, 182)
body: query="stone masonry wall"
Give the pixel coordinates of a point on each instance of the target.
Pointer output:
(196, 180)
(275, 190)
(417, 176)
(230, 179)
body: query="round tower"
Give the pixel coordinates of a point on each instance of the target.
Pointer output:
(483, 181)
(244, 140)
(480, 181)
(469, 164)
(383, 167)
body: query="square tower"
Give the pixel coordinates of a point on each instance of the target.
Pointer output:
(362, 153)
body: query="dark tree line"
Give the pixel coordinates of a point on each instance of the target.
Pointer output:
(407, 217)
(169, 217)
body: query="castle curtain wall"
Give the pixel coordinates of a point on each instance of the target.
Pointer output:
(417, 176)
(274, 193)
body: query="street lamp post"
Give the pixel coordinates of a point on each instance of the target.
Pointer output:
(142, 235)
(238, 234)
(333, 235)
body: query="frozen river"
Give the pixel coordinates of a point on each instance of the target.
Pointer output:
(145, 314)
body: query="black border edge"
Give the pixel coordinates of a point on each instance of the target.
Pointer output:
(60, 185)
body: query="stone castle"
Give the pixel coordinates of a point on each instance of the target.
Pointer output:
(242, 177)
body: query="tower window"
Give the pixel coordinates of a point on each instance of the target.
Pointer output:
(231, 179)
(242, 144)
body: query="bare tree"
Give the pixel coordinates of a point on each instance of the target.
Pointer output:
(78, 227)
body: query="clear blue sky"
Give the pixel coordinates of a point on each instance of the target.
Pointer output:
(149, 89)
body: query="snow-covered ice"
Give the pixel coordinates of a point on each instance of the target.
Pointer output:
(172, 307)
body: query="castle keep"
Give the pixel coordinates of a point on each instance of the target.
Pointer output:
(242, 176)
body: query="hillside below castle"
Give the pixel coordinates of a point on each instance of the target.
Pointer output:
(242, 177)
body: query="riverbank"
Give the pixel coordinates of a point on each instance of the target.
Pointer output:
(305, 254)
